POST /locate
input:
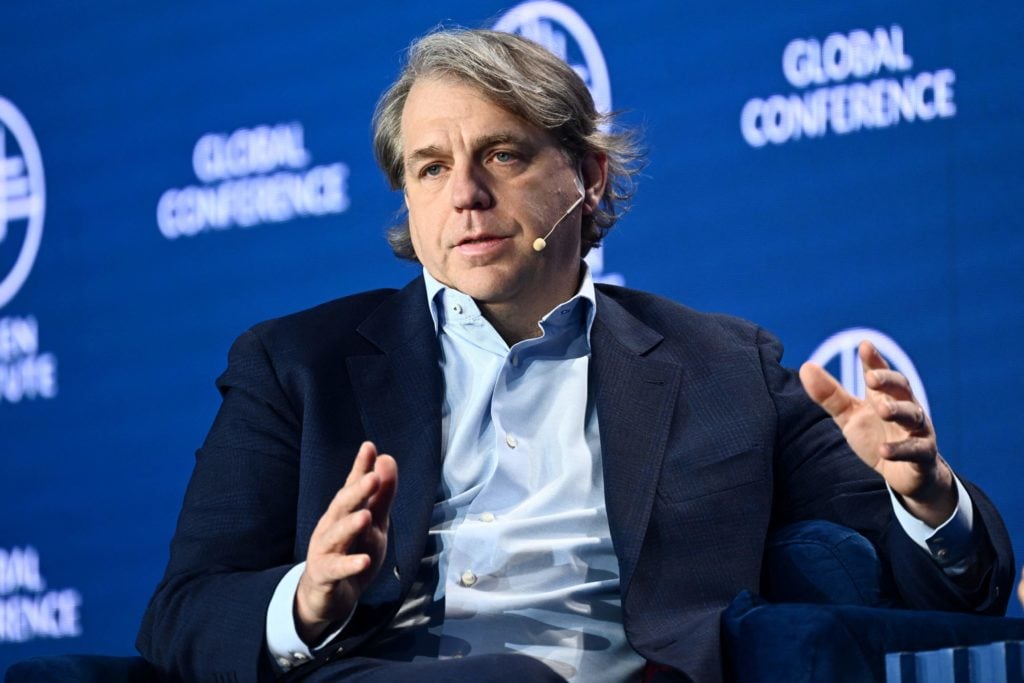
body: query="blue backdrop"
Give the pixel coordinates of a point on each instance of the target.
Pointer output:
(173, 173)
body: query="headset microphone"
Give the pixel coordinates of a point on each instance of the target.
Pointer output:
(541, 243)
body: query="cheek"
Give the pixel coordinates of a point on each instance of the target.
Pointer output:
(414, 233)
(422, 243)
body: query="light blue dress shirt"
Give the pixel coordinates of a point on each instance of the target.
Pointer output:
(525, 558)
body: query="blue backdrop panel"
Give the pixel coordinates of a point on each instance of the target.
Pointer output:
(815, 167)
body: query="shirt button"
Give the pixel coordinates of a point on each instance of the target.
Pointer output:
(457, 308)
(284, 663)
(487, 517)
(467, 579)
(299, 656)
(511, 441)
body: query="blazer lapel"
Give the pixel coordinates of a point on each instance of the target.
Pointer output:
(636, 396)
(399, 392)
(399, 396)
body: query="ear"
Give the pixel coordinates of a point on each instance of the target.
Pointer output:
(594, 172)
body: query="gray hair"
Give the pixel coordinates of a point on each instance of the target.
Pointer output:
(527, 80)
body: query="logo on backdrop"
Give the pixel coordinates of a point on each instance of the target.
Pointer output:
(251, 177)
(24, 371)
(27, 609)
(22, 200)
(840, 351)
(565, 34)
(848, 83)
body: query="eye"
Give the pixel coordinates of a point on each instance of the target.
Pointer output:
(504, 157)
(432, 170)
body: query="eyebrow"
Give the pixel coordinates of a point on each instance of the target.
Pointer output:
(485, 142)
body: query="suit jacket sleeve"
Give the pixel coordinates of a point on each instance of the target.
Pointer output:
(818, 477)
(235, 535)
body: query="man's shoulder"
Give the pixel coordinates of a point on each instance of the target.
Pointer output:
(335, 324)
(678, 321)
(344, 310)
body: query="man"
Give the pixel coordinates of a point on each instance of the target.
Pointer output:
(588, 474)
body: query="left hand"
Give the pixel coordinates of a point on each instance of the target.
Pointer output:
(891, 432)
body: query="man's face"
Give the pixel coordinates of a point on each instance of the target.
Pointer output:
(481, 185)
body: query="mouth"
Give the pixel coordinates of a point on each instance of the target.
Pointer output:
(479, 239)
(483, 244)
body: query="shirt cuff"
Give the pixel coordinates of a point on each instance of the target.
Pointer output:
(283, 641)
(952, 543)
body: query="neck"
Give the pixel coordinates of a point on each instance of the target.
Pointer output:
(511, 322)
(518, 320)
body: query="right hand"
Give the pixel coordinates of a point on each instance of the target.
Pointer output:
(348, 544)
(1020, 587)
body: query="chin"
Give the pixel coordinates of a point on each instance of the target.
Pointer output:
(486, 295)
(488, 287)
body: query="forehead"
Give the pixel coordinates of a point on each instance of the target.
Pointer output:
(438, 110)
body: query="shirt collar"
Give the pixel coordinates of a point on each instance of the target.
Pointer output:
(438, 295)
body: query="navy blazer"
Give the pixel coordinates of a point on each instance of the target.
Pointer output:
(707, 442)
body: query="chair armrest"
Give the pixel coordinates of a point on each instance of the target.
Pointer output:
(822, 562)
(803, 643)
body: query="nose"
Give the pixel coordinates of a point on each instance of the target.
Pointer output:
(469, 189)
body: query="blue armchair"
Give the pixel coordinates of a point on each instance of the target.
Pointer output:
(828, 619)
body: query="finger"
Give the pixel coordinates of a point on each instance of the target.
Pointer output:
(341, 567)
(364, 461)
(328, 571)
(870, 357)
(907, 414)
(340, 536)
(357, 487)
(890, 382)
(916, 449)
(351, 497)
(380, 502)
(826, 392)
